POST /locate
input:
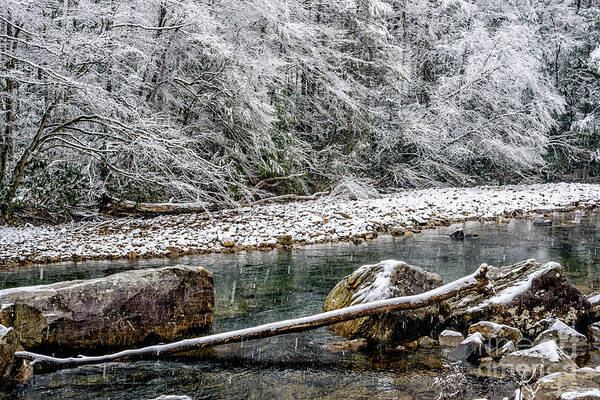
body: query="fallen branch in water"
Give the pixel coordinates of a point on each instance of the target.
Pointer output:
(476, 281)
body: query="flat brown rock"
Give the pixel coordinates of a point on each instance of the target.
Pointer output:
(121, 310)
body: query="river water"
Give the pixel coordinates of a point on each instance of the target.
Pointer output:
(255, 288)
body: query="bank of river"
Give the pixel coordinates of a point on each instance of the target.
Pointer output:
(257, 287)
(270, 226)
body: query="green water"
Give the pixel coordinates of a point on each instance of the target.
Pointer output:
(254, 288)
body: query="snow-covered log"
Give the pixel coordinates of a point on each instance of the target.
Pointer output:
(476, 281)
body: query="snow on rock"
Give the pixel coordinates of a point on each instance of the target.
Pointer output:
(322, 220)
(492, 330)
(566, 337)
(471, 349)
(450, 338)
(544, 358)
(586, 394)
(576, 383)
(387, 279)
(524, 294)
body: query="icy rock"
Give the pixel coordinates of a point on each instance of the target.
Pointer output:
(524, 293)
(566, 337)
(568, 385)
(491, 330)
(121, 310)
(380, 281)
(450, 338)
(471, 349)
(542, 359)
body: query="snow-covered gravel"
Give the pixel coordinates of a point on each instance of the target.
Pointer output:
(265, 227)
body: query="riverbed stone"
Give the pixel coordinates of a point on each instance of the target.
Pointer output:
(121, 310)
(384, 280)
(582, 384)
(491, 330)
(542, 359)
(450, 338)
(567, 338)
(595, 302)
(471, 349)
(522, 295)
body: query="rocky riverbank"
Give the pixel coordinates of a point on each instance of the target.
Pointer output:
(284, 225)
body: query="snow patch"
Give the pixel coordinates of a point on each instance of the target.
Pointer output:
(580, 394)
(381, 287)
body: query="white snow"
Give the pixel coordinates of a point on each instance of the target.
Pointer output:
(594, 299)
(323, 220)
(562, 330)
(546, 350)
(581, 394)
(512, 292)
(4, 330)
(381, 287)
(448, 332)
(476, 337)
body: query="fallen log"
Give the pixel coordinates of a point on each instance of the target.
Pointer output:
(476, 281)
(115, 207)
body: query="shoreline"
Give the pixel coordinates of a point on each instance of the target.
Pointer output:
(266, 227)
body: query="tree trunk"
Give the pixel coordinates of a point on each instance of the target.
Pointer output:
(476, 281)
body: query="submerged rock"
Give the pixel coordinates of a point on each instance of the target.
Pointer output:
(121, 310)
(523, 294)
(348, 346)
(450, 338)
(542, 359)
(380, 281)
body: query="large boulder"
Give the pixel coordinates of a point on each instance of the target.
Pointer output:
(522, 294)
(121, 310)
(380, 281)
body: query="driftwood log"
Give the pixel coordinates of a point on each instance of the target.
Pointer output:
(476, 281)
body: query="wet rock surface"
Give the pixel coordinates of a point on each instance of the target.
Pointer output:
(522, 295)
(384, 280)
(121, 310)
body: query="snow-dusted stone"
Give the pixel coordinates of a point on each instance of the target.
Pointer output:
(491, 330)
(522, 294)
(584, 383)
(450, 338)
(502, 350)
(380, 281)
(471, 349)
(566, 337)
(120, 310)
(542, 359)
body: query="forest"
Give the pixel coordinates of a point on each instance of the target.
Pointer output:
(233, 101)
